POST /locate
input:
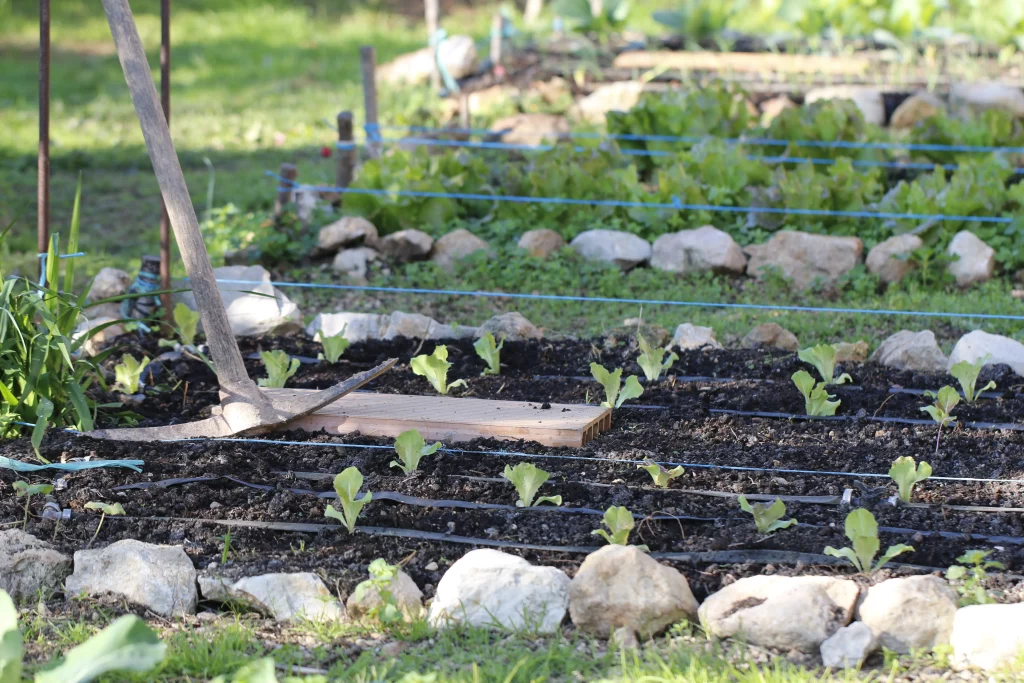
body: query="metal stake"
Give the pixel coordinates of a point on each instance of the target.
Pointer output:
(43, 163)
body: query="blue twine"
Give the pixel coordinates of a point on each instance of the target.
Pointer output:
(346, 145)
(372, 132)
(42, 264)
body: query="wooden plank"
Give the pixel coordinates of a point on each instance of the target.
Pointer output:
(449, 420)
(741, 61)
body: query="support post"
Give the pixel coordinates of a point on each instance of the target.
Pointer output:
(368, 61)
(432, 12)
(497, 36)
(285, 189)
(346, 154)
(465, 116)
(43, 161)
(165, 101)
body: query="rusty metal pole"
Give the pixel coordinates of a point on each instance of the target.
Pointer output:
(43, 163)
(165, 101)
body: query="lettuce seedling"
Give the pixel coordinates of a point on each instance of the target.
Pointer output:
(659, 474)
(435, 368)
(490, 353)
(767, 518)
(615, 393)
(112, 509)
(23, 488)
(186, 323)
(347, 485)
(816, 398)
(946, 399)
(862, 530)
(823, 358)
(967, 375)
(334, 347)
(528, 478)
(906, 475)
(128, 374)
(620, 522)
(385, 609)
(652, 360)
(411, 447)
(280, 368)
(968, 577)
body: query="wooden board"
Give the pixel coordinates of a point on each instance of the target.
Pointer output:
(741, 61)
(450, 420)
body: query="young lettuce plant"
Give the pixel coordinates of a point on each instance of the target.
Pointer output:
(906, 475)
(615, 393)
(767, 518)
(968, 577)
(128, 374)
(23, 488)
(490, 353)
(334, 347)
(862, 530)
(186, 323)
(411, 448)
(528, 478)
(967, 375)
(816, 398)
(620, 522)
(435, 368)
(659, 474)
(347, 485)
(823, 358)
(946, 399)
(112, 509)
(280, 368)
(652, 360)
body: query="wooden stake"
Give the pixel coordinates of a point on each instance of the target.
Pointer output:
(432, 12)
(346, 153)
(165, 102)
(285, 190)
(497, 31)
(465, 118)
(368, 61)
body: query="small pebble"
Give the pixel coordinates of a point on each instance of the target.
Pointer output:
(214, 505)
(275, 564)
(431, 567)
(211, 566)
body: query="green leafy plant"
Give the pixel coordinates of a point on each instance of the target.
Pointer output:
(767, 517)
(128, 374)
(257, 671)
(186, 324)
(601, 18)
(968, 577)
(816, 398)
(435, 368)
(411, 447)
(334, 347)
(823, 358)
(225, 547)
(381, 576)
(26, 490)
(528, 478)
(280, 368)
(906, 475)
(112, 509)
(659, 474)
(347, 485)
(620, 522)
(862, 530)
(967, 375)
(615, 393)
(652, 360)
(946, 399)
(490, 353)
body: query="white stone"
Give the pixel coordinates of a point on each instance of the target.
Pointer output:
(788, 613)
(30, 568)
(254, 306)
(306, 202)
(457, 53)
(848, 647)
(621, 96)
(693, 251)
(455, 246)
(158, 577)
(804, 258)
(488, 588)
(915, 351)
(405, 593)
(771, 108)
(868, 100)
(354, 263)
(109, 282)
(284, 597)
(918, 107)
(345, 232)
(357, 327)
(418, 326)
(532, 129)
(989, 637)
(909, 613)
(620, 586)
(982, 96)
(976, 262)
(541, 243)
(991, 349)
(624, 249)
(511, 326)
(406, 245)
(690, 336)
(883, 258)
(772, 335)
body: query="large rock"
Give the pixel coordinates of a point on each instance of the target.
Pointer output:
(355, 263)
(457, 53)
(532, 129)
(976, 262)
(915, 351)
(496, 98)
(991, 349)
(282, 596)
(30, 568)
(804, 258)
(918, 107)
(855, 352)
(406, 245)
(690, 336)
(849, 646)
(512, 326)
(982, 96)
(345, 232)
(418, 326)
(158, 577)
(488, 588)
(692, 251)
(989, 637)
(868, 99)
(541, 243)
(909, 613)
(363, 326)
(621, 96)
(109, 282)
(407, 597)
(254, 306)
(883, 259)
(455, 246)
(772, 335)
(620, 586)
(789, 613)
(624, 249)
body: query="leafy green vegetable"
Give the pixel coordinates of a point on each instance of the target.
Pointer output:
(823, 120)
(258, 671)
(767, 517)
(334, 346)
(620, 522)
(280, 368)
(906, 475)
(186, 323)
(127, 644)
(347, 485)
(967, 375)
(946, 399)
(489, 352)
(528, 478)
(652, 360)
(823, 358)
(128, 374)
(113, 509)
(816, 398)
(11, 649)
(659, 474)
(411, 447)
(435, 368)
(601, 18)
(615, 393)
(862, 530)
(968, 578)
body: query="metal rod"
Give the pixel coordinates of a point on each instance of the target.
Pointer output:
(346, 153)
(43, 163)
(368, 61)
(165, 101)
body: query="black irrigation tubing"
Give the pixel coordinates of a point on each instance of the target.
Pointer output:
(1013, 426)
(922, 392)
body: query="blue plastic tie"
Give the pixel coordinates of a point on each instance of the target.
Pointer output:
(42, 264)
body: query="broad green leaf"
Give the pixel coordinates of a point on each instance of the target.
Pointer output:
(631, 389)
(659, 474)
(411, 447)
(967, 375)
(906, 475)
(891, 552)
(527, 479)
(127, 644)
(767, 517)
(187, 323)
(435, 368)
(652, 360)
(280, 368)
(845, 553)
(113, 509)
(620, 522)
(128, 374)
(347, 485)
(11, 650)
(804, 382)
(490, 353)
